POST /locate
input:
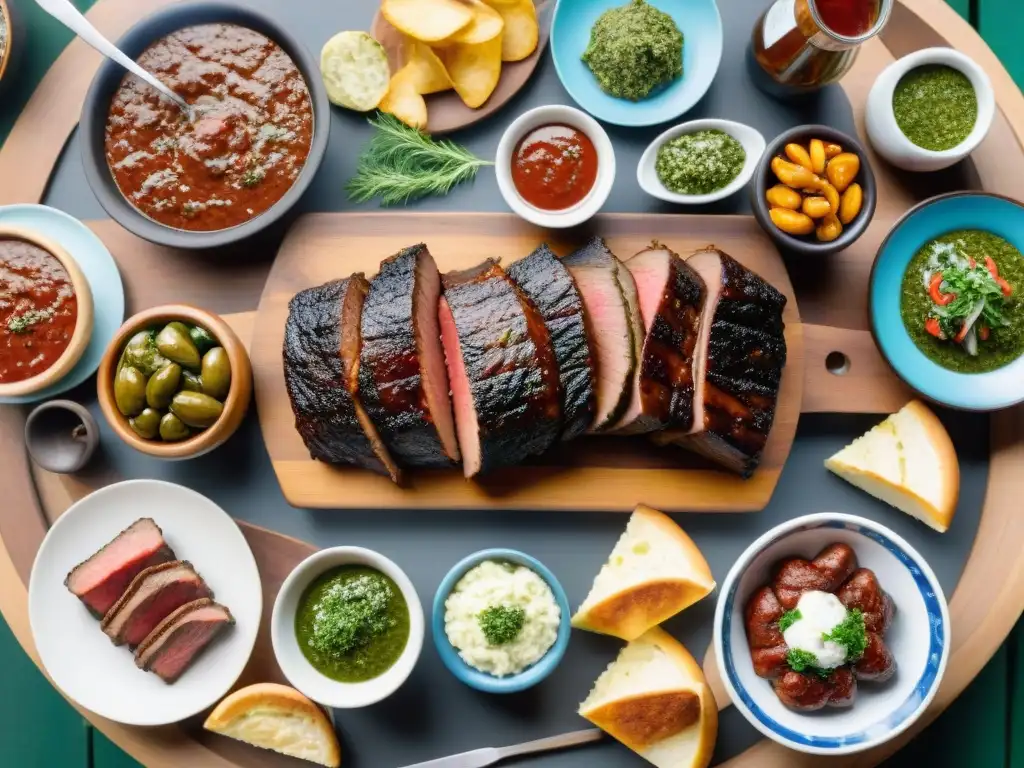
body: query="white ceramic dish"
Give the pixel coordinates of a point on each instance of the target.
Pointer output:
(293, 663)
(82, 661)
(581, 121)
(918, 637)
(886, 136)
(753, 144)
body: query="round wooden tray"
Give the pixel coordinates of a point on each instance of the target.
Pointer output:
(989, 596)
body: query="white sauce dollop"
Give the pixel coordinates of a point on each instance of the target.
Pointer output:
(820, 613)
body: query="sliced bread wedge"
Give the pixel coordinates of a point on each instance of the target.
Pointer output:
(907, 461)
(654, 572)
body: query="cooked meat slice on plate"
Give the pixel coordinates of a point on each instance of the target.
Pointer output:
(101, 580)
(505, 385)
(151, 597)
(321, 371)
(176, 641)
(402, 376)
(549, 285)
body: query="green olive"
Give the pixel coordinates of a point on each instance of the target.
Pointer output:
(202, 338)
(180, 326)
(190, 382)
(196, 409)
(147, 424)
(162, 385)
(172, 428)
(130, 391)
(216, 373)
(177, 346)
(141, 353)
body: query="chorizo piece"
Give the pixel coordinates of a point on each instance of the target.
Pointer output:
(769, 662)
(877, 664)
(803, 692)
(862, 591)
(762, 618)
(795, 577)
(844, 688)
(837, 562)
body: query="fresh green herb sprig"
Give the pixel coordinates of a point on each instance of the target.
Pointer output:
(501, 624)
(971, 285)
(350, 615)
(851, 634)
(805, 661)
(402, 164)
(789, 618)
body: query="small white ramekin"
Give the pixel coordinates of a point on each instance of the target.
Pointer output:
(561, 115)
(886, 136)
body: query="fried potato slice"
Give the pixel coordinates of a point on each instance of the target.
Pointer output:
(429, 74)
(427, 20)
(521, 33)
(500, 3)
(486, 25)
(474, 70)
(404, 101)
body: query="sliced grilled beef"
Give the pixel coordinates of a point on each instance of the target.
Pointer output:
(102, 579)
(614, 324)
(402, 375)
(176, 641)
(505, 384)
(672, 297)
(150, 598)
(548, 284)
(321, 371)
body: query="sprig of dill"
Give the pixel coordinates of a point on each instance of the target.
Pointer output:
(402, 164)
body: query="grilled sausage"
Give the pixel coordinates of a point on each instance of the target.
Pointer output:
(863, 591)
(769, 662)
(762, 618)
(837, 562)
(844, 688)
(803, 692)
(877, 664)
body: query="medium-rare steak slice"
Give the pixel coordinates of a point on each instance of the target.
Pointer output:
(505, 385)
(672, 297)
(402, 374)
(550, 286)
(151, 597)
(614, 324)
(321, 371)
(176, 641)
(741, 352)
(102, 579)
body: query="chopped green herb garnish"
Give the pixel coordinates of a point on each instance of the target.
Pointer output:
(804, 661)
(789, 618)
(851, 634)
(350, 614)
(253, 176)
(21, 323)
(501, 623)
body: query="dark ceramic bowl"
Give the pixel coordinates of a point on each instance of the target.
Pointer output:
(764, 179)
(109, 77)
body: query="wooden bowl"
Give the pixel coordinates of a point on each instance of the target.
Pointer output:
(235, 406)
(83, 326)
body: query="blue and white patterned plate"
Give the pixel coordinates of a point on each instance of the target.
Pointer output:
(918, 638)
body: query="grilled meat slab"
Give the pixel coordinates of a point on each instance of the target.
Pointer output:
(175, 643)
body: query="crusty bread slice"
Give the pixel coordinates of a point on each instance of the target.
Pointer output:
(655, 700)
(279, 718)
(654, 572)
(907, 461)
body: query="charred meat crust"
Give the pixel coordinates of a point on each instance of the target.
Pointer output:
(142, 581)
(543, 278)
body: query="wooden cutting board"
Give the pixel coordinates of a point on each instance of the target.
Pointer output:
(595, 473)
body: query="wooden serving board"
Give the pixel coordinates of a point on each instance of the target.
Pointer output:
(596, 473)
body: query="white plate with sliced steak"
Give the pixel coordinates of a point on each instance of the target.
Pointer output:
(145, 602)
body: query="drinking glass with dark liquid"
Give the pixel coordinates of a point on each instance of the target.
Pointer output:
(799, 46)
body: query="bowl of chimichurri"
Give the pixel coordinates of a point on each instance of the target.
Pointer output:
(947, 300)
(347, 627)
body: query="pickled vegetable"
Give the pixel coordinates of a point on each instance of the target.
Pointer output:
(202, 338)
(792, 222)
(147, 424)
(172, 429)
(191, 382)
(216, 375)
(162, 385)
(178, 346)
(130, 391)
(852, 202)
(141, 353)
(781, 196)
(816, 207)
(842, 170)
(196, 409)
(816, 149)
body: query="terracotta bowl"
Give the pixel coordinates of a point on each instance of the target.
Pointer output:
(235, 406)
(83, 327)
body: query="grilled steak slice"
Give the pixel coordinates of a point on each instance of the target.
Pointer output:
(548, 284)
(176, 641)
(504, 376)
(150, 598)
(614, 324)
(402, 374)
(672, 297)
(102, 579)
(321, 370)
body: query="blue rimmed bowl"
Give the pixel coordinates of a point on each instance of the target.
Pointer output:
(701, 25)
(931, 219)
(919, 637)
(483, 681)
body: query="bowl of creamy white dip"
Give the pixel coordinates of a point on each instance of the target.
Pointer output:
(500, 621)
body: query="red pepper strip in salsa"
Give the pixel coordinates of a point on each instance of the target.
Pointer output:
(932, 326)
(1007, 290)
(962, 333)
(983, 333)
(940, 298)
(992, 268)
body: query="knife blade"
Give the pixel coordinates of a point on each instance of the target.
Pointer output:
(479, 758)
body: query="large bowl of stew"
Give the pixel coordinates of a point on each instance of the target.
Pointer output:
(257, 135)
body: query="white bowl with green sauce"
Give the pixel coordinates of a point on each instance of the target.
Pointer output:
(929, 110)
(347, 627)
(700, 161)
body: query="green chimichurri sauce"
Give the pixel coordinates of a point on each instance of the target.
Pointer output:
(352, 623)
(935, 106)
(699, 163)
(1006, 343)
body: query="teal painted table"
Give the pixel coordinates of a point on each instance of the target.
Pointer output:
(984, 728)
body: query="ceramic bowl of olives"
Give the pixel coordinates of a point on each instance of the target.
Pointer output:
(175, 382)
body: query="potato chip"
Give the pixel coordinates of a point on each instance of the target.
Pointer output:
(521, 32)
(403, 101)
(486, 25)
(427, 20)
(429, 74)
(474, 70)
(499, 3)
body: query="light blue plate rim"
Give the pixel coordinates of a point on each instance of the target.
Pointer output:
(701, 25)
(931, 218)
(481, 680)
(100, 270)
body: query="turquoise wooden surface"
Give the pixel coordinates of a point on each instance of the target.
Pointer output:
(983, 729)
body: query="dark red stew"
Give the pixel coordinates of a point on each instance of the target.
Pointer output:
(247, 146)
(38, 310)
(554, 167)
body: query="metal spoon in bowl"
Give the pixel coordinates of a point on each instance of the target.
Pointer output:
(64, 12)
